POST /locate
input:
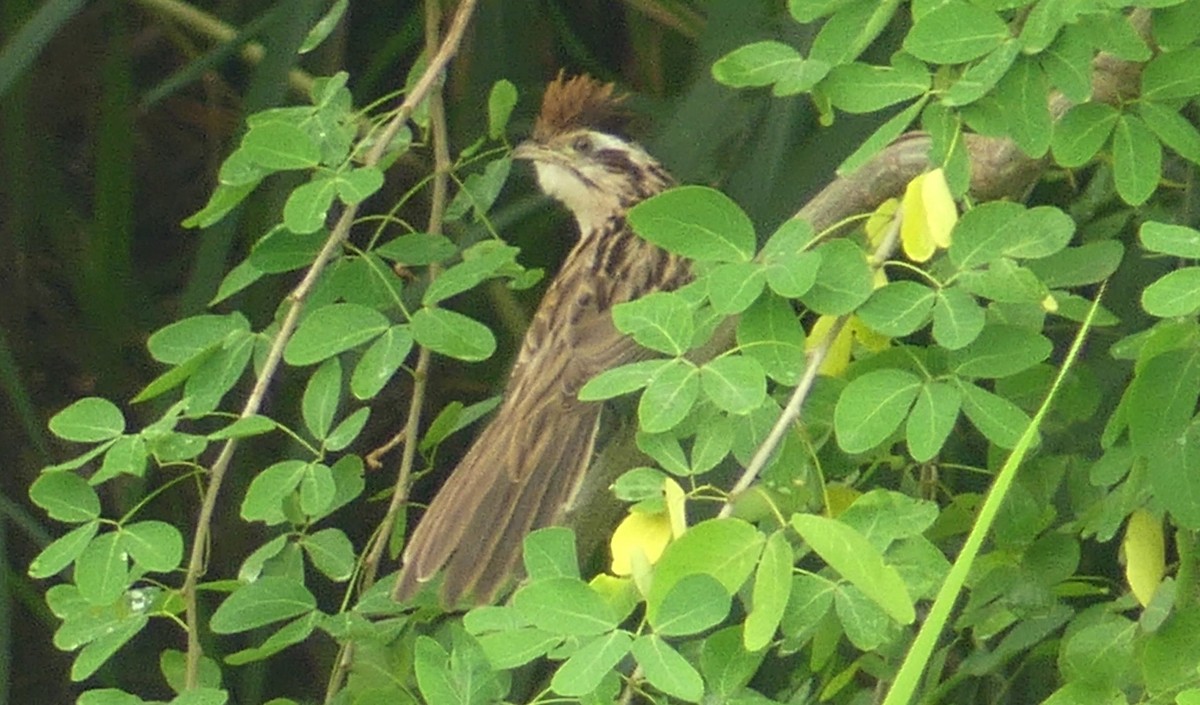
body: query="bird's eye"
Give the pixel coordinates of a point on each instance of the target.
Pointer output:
(582, 144)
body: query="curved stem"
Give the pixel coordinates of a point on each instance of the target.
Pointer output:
(437, 65)
(791, 413)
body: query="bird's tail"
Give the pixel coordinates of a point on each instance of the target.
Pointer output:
(518, 476)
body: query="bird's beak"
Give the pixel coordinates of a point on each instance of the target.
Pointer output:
(529, 150)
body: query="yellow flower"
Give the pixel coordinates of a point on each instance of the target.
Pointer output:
(929, 216)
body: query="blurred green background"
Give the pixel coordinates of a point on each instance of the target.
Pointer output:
(114, 117)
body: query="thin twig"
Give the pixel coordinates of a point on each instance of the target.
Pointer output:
(437, 210)
(341, 231)
(816, 357)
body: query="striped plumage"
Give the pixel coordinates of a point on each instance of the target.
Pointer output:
(525, 466)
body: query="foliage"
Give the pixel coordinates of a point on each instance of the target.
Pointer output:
(957, 445)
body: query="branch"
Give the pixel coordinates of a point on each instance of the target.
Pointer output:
(437, 65)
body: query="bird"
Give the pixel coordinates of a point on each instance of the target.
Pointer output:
(525, 467)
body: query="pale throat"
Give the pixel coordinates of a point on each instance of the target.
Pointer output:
(592, 204)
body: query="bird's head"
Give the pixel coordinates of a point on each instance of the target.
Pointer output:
(579, 157)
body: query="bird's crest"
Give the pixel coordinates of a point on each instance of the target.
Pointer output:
(581, 102)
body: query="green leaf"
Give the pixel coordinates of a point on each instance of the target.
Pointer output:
(864, 88)
(726, 549)
(932, 419)
(480, 263)
(99, 651)
(770, 333)
(479, 191)
(660, 321)
(1068, 64)
(356, 185)
(998, 419)
(317, 489)
(380, 362)
(1172, 75)
(153, 545)
(1174, 294)
(63, 551)
(983, 234)
(102, 571)
(735, 383)
(1112, 32)
(1174, 475)
(268, 489)
(245, 427)
(692, 605)
(292, 633)
(416, 249)
(621, 380)
(1137, 160)
(1080, 134)
(501, 101)
(1172, 128)
(666, 670)
(241, 276)
(872, 407)
(851, 29)
(1101, 654)
(1043, 23)
(898, 308)
(282, 250)
(957, 318)
(452, 334)
(844, 280)
(224, 199)
(347, 430)
(550, 553)
(639, 484)
(331, 553)
(332, 329)
(884, 135)
(176, 343)
(108, 696)
(581, 674)
(266, 600)
(981, 77)
(565, 606)
(89, 420)
(321, 397)
(1162, 399)
(792, 274)
(812, 596)
(517, 647)
(1077, 266)
(772, 587)
(697, 222)
(866, 626)
(757, 64)
(955, 32)
(280, 146)
(726, 664)
(733, 286)
(308, 204)
(66, 497)
(852, 555)
(1000, 351)
(669, 396)
(1022, 95)
(1174, 240)
(712, 443)
(431, 665)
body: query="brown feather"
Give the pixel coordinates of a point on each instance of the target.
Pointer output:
(578, 103)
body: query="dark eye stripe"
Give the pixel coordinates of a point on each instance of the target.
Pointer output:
(616, 160)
